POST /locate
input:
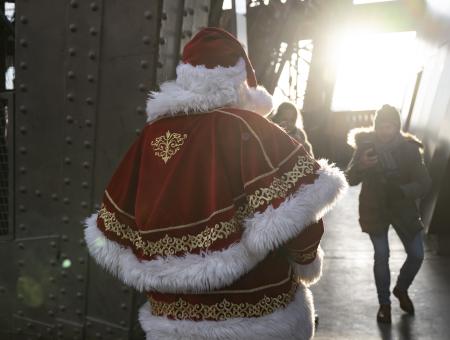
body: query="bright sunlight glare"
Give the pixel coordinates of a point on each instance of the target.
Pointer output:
(373, 69)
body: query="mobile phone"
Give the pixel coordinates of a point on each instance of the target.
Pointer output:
(366, 145)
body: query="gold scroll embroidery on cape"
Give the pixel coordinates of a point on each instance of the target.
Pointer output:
(168, 245)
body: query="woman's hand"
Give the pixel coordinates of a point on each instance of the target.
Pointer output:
(368, 159)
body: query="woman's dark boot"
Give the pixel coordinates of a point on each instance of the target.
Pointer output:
(405, 302)
(384, 314)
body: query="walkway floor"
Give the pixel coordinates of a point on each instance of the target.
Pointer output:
(346, 299)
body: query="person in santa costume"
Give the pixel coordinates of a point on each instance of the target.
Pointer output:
(215, 212)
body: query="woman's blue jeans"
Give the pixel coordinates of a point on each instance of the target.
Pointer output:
(414, 259)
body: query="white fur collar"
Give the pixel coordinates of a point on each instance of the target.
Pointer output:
(198, 89)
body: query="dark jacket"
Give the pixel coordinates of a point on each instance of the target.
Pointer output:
(389, 193)
(300, 136)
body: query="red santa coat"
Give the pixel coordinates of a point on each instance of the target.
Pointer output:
(217, 217)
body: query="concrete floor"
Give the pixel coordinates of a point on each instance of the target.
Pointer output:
(346, 298)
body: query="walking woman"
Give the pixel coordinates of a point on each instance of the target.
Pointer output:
(389, 164)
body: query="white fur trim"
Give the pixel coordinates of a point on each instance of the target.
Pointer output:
(293, 322)
(212, 270)
(309, 274)
(190, 273)
(198, 89)
(272, 228)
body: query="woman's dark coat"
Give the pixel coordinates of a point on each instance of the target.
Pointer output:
(389, 197)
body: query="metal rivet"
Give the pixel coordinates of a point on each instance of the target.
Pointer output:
(23, 87)
(22, 227)
(140, 110)
(23, 150)
(67, 160)
(142, 87)
(89, 101)
(70, 96)
(62, 291)
(78, 312)
(80, 278)
(22, 189)
(123, 306)
(66, 180)
(81, 260)
(65, 219)
(74, 3)
(146, 39)
(88, 122)
(66, 200)
(86, 165)
(92, 55)
(23, 109)
(79, 295)
(148, 15)
(87, 144)
(23, 130)
(84, 204)
(72, 51)
(162, 41)
(71, 74)
(93, 31)
(69, 119)
(22, 208)
(144, 63)
(84, 185)
(23, 19)
(54, 197)
(72, 28)
(38, 193)
(23, 42)
(138, 131)
(20, 263)
(53, 263)
(23, 170)
(94, 6)
(65, 238)
(68, 140)
(51, 313)
(90, 78)
(53, 244)
(163, 16)
(159, 64)
(23, 65)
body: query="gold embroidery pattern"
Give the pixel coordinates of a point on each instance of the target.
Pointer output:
(301, 258)
(222, 310)
(167, 245)
(281, 186)
(168, 145)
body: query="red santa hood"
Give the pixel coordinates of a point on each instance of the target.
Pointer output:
(215, 72)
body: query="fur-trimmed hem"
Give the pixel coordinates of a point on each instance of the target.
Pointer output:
(190, 273)
(293, 322)
(217, 269)
(272, 228)
(309, 274)
(198, 89)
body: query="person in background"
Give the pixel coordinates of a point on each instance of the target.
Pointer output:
(288, 118)
(389, 164)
